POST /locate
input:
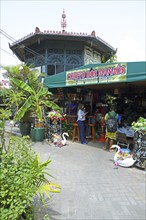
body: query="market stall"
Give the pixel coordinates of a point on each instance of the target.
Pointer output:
(92, 84)
(98, 86)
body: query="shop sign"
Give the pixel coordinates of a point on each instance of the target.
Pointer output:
(97, 74)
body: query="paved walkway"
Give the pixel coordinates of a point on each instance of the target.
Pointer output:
(91, 188)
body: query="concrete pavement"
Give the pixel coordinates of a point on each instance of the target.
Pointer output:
(91, 189)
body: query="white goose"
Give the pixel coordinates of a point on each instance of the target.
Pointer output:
(127, 162)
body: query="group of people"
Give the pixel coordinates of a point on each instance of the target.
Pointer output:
(112, 120)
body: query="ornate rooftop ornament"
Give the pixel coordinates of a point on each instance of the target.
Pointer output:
(37, 30)
(93, 33)
(63, 21)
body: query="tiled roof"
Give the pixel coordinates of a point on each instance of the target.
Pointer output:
(60, 33)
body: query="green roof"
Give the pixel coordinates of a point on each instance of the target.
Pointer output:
(108, 73)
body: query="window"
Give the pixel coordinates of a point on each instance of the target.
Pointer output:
(50, 70)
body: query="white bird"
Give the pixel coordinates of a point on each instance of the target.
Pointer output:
(120, 161)
(63, 141)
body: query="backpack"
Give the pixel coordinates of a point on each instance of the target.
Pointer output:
(111, 124)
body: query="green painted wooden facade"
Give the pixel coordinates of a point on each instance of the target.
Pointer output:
(55, 52)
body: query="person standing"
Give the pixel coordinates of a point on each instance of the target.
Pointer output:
(81, 122)
(112, 119)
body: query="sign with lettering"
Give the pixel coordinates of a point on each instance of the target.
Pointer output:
(97, 74)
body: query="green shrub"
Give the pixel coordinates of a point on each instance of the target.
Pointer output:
(22, 177)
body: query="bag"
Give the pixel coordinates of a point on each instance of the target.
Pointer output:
(111, 124)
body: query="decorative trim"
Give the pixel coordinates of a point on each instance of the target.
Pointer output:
(55, 58)
(40, 60)
(73, 59)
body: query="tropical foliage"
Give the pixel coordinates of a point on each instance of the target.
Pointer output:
(27, 95)
(140, 124)
(36, 101)
(23, 175)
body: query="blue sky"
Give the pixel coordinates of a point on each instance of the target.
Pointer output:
(119, 23)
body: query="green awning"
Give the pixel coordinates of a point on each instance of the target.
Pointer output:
(93, 74)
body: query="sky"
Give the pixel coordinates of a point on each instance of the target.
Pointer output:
(120, 23)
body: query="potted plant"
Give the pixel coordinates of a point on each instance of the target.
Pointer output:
(29, 98)
(56, 115)
(36, 103)
(16, 97)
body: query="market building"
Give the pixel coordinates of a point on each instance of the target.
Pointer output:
(60, 52)
(76, 63)
(53, 52)
(99, 85)
(77, 69)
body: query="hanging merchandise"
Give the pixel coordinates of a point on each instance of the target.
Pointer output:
(140, 142)
(140, 148)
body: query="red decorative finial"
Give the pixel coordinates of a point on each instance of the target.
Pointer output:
(63, 21)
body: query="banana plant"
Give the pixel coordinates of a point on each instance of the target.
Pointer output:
(15, 96)
(36, 100)
(24, 73)
(44, 186)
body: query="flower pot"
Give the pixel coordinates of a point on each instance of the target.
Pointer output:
(37, 134)
(25, 128)
(39, 125)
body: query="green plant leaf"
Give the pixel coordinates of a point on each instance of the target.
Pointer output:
(23, 86)
(26, 106)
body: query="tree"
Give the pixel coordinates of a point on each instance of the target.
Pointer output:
(27, 94)
(37, 100)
